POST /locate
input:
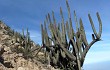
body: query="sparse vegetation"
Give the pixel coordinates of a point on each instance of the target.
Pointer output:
(25, 42)
(62, 47)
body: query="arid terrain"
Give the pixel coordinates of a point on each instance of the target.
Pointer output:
(11, 59)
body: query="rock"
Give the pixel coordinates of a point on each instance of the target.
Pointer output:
(20, 54)
(40, 54)
(1, 46)
(1, 32)
(22, 68)
(2, 25)
(6, 57)
(7, 49)
(2, 67)
(21, 62)
(8, 64)
(18, 39)
(5, 37)
(1, 50)
(16, 44)
(13, 41)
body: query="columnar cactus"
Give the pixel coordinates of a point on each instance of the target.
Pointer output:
(62, 37)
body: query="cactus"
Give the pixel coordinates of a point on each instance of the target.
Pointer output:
(63, 37)
(26, 45)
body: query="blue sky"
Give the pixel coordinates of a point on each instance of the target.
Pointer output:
(30, 14)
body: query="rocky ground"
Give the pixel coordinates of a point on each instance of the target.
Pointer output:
(11, 60)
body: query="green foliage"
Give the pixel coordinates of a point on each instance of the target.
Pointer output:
(27, 51)
(25, 44)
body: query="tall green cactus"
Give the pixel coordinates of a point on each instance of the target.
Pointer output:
(27, 51)
(63, 36)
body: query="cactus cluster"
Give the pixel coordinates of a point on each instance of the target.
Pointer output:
(28, 50)
(66, 48)
(24, 44)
